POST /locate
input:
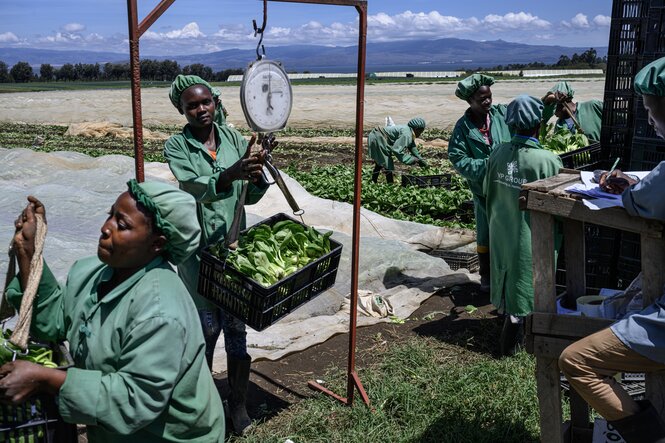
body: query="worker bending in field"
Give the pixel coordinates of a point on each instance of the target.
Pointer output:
(396, 140)
(635, 343)
(588, 115)
(481, 128)
(510, 165)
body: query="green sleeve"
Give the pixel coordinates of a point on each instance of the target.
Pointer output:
(548, 112)
(202, 187)
(139, 391)
(402, 148)
(472, 169)
(48, 309)
(415, 152)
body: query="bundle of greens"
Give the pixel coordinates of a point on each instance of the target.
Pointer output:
(268, 255)
(562, 141)
(36, 353)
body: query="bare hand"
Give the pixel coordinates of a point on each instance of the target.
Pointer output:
(616, 182)
(26, 229)
(20, 380)
(549, 98)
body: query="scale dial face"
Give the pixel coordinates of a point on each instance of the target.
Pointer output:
(266, 96)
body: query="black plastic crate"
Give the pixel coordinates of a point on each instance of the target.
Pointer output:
(582, 158)
(654, 40)
(646, 153)
(38, 420)
(620, 75)
(626, 37)
(458, 259)
(425, 181)
(253, 303)
(642, 127)
(629, 9)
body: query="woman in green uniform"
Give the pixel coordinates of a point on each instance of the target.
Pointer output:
(588, 114)
(210, 162)
(510, 165)
(395, 140)
(140, 373)
(481, 128)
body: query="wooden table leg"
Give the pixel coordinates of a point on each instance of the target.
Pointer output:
(573, 237)
(549, 400)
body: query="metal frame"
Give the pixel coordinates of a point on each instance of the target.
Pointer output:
(137, 29)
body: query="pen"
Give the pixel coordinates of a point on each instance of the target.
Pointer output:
(616, 162)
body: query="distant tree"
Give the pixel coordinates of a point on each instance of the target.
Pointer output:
(117, 71)
(199, 69)
(564, 60)
(222, 76)
(169, 70)
(21, 72)
(4, 73)
(66, 72)
(46, 72)
(149, 69)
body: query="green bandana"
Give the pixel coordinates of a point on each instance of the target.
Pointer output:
(524, 112)
(651, 79)
(183, 82)
(175, 216)
(467, 87)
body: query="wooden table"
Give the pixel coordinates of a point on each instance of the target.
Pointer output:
(548, 333)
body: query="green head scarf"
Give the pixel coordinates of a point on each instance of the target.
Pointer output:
(564, 88)
(175, 216)
(524, 112)
(417, 123)
(651, 79)
(183, 82)
(467, 87)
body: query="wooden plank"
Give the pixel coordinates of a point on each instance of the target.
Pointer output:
(579, 412)
(549, 400)
(573, 236)
(653, 277)
(612, 217)
(550, 347)
(655, 390)
(542, 248)
(550, 183)
(565, 326)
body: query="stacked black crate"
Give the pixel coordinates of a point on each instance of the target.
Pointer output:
(647, 148)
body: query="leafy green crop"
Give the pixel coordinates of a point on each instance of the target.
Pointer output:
(562, 140)
(268, 255)
(37, 353)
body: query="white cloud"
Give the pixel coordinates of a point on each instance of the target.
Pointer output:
(579, 22)
(513, 21)
(189, 31)
(8, 37)
(73, 27)
(602, 20)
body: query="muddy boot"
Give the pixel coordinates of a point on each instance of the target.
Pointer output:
(238, 377)
(375, 173)
(390, 177)
(512, 335)
(644, 427)
(484, 271)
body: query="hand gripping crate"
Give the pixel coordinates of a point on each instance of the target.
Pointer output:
(253, 303)
(424, 181)
(37, 420)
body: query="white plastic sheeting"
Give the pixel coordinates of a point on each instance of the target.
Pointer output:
(78, 190)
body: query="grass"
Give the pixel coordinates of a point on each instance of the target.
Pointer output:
(423, 390)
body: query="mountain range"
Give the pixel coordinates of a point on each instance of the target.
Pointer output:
(416, 55)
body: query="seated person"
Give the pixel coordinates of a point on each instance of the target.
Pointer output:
(559, 101)
(140, 372)
(637, 342)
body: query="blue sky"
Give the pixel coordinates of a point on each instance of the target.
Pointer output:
(199, 26)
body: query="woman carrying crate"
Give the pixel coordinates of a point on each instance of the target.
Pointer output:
(140, 373)
(476, 133)
(635, 343)
(211, 161)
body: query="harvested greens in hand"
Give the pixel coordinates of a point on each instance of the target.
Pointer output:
(562, 141)
(37, 353)
(269, 254)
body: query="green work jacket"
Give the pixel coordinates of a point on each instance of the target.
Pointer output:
(511, 165)
(197, 173)
(468, 152)
(140, 371)
(589, 114)
(398, 140)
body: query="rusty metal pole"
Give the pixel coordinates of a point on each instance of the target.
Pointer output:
(135, 67)
(354, 380)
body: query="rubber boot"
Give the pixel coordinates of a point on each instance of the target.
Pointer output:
(376, 172)
(390, 177)
(238, 377)
(512, 335)
(484, 271)
(644, 427)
